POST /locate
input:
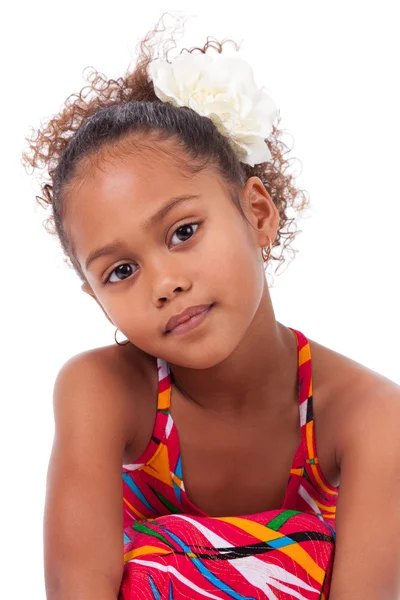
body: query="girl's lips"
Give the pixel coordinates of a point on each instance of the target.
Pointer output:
(190, 323)
(185, 315)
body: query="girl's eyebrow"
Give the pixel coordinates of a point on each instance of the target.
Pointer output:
(116, 245)
(160, 214)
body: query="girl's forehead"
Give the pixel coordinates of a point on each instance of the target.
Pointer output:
(118, 197)
(137, 181)
(117, 175)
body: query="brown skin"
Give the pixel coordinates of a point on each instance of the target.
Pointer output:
(216, 459)
(238, 359)
(240, 365)
(239, 433)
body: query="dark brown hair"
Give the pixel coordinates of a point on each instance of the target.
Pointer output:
(125, 113)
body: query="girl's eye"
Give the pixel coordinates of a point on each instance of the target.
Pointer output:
(120, 270)
(184, 231)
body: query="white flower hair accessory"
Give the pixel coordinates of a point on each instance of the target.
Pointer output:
(223, 89)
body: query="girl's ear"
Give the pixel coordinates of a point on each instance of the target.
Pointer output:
(85, 287)
(260, 210)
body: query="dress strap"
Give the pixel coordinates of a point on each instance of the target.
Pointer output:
(307, 422)
(163, 420)
(305, 390)
(164, 385)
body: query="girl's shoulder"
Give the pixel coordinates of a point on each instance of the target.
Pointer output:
(346, 386)
(345, 378)
(135, 375)
(121, 381)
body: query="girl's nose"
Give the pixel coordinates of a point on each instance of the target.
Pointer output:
(166, 281)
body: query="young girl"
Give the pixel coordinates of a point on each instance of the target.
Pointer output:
(232, 431)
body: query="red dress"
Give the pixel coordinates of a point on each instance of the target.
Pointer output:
(173, 550)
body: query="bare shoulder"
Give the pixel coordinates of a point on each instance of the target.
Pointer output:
(350, 389)
(343, 373)
(114, 379)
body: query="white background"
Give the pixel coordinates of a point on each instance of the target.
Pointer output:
(333, 69)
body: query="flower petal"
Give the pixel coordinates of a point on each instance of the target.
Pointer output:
(221, 88)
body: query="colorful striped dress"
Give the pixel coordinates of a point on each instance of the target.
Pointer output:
(173, 550)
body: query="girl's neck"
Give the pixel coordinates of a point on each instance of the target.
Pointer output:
(260, 374)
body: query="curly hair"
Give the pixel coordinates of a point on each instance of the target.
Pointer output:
(107, 112)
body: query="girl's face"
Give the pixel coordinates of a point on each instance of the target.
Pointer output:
(169, 255)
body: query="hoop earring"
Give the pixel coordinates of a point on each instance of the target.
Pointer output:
(266, 253)
(117, 342)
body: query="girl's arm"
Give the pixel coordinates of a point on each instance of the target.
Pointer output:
(83, 520)
(367, 556)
